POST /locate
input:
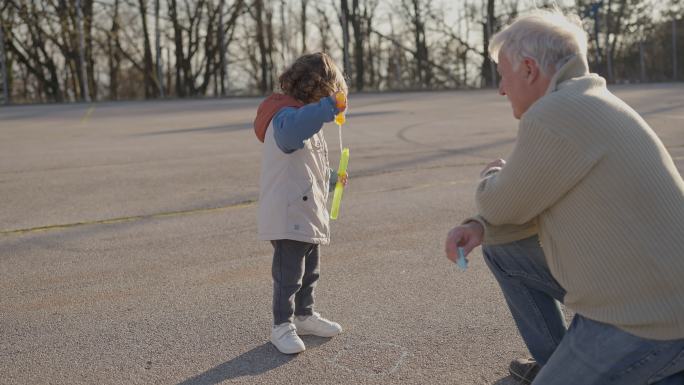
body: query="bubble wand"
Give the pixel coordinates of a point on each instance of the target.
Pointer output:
(341, 103)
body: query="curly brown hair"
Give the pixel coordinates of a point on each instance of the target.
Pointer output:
(312, 77)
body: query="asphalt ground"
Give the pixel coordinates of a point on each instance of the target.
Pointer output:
(128, 250)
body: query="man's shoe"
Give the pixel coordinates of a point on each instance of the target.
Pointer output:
(316, 325)
(285, 338)
(524, 370)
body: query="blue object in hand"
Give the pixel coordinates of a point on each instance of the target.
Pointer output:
(461, 262)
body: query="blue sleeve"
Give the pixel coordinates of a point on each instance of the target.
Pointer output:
(292, 126)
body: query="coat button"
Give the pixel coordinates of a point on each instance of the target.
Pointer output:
(305, 198)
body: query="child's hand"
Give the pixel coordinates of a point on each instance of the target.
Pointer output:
(343, 178)
(340, 101)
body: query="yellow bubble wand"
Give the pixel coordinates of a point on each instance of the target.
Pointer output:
(341, 103)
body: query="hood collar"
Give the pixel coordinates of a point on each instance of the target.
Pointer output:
(268, 108)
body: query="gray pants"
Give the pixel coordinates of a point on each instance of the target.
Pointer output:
(295, 271)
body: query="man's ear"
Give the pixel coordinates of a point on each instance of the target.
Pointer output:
(531, 68)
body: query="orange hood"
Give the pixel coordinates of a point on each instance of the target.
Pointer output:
(268, 108)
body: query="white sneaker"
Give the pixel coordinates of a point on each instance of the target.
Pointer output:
(317, 326)
(285, 338)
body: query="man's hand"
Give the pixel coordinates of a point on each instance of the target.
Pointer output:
(493, 166)
(467, 236)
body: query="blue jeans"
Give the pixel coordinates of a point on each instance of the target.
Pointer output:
(586, 353)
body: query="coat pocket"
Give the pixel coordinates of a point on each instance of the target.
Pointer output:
(302, 211)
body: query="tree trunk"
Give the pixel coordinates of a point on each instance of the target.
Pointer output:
(158, 54)
(358, 45)
(148, 68)
(222, 51)
(114, 54)
(371, 54)
(68, 46)
(607, 44)
(89, 54)
(303, 24)
(423, 70)
(261, 41)
(344, 20)
(269, 46)
(82, 70)
(210, 50)
(178, 41)
(323, 28)
(488, 27)
(3, 64)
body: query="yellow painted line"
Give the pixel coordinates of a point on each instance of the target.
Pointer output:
(86, 116)
(126, 219)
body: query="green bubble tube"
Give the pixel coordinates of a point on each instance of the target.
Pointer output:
(339, 187)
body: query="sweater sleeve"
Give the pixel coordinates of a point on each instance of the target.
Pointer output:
(542, 168)
(333, 179)
(292, 126)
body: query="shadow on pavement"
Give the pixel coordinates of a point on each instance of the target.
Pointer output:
(254, 362)
(221, 128)
(509, 380)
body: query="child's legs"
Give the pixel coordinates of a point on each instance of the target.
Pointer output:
(287, 271)
(304, 299)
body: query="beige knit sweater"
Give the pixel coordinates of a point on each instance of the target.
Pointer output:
(607, 201)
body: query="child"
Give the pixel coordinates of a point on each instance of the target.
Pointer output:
(295, 181)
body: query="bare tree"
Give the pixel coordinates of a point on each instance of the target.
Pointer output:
(459, 39)
(614, 24)
(284, 36)
(303, 22)
(324, 27)
(201, 38)
(359, 37)
(222, 49)
(114, 52)
(179, 47)
(3, 59)
(261, 17)
(157, 43)
(344, 22)
(372, 56)
(227, 29)
(30, 49)
(65, 50)
(85, 94)
(394, 62)
(489, 28)
(417, 12)
(429, 63)
(148, 69)
(188, 44)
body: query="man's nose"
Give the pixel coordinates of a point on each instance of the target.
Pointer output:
(501, 90)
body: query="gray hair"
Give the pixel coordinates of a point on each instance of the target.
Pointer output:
(548, 37)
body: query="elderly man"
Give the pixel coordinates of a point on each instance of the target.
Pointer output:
(588, 210)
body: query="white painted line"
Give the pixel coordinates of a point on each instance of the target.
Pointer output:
(399, 362)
